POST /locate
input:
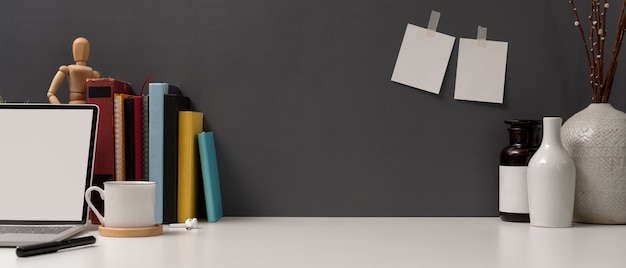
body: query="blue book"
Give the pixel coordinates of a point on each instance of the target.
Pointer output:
(156, 93)
(210, 176)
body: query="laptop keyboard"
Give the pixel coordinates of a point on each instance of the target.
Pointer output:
(20, 229)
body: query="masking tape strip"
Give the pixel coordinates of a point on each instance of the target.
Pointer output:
(432, 23)
(481, 36)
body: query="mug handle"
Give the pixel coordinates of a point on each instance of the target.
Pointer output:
(93, 208)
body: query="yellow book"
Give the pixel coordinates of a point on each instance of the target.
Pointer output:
(189, 126)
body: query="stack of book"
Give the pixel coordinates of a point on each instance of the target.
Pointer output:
(156, 137)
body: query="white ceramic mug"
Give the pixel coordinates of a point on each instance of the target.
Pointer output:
(127, 204)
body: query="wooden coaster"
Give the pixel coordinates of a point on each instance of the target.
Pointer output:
(130, 232)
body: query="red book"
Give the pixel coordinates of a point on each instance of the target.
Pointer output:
(129, 137)
(133, 143)
(100, 91)
(138, 136)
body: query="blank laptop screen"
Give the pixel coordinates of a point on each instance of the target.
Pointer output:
(44, 162)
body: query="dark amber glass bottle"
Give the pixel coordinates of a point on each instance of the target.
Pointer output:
(524, 140)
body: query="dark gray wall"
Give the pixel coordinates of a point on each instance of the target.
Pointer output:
(307, 121)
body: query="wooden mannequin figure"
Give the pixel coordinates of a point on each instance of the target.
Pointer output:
(77, 74)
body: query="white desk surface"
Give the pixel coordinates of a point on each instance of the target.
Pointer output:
(349, 242)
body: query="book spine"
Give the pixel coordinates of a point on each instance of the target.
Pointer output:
(172, 105)
(156, 92)
(138, 136)
(145, 125)
(119, 136)
(190, 125)
(129, 137)
(210, 176)
(104, 158)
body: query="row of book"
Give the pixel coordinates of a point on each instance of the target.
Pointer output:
(156, 137)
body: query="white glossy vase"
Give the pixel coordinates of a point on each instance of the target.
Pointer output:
(596, 139)
(551, 180)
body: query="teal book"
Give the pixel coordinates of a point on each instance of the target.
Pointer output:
(210, 176)
(156, 103)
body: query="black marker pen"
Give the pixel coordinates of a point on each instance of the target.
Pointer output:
(49, 247)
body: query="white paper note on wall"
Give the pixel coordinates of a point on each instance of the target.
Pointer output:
(423, 59)
(480, 71)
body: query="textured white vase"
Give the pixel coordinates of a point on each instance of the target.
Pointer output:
(551, 180)
(596, 139)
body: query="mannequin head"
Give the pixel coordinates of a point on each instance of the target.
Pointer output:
(80, 50)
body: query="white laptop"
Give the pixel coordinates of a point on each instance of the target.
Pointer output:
(46, 160)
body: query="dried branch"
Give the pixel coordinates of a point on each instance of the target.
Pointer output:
(594, 51)
(599, 56)
(593, 39)
(619, 37)
(582, 34)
